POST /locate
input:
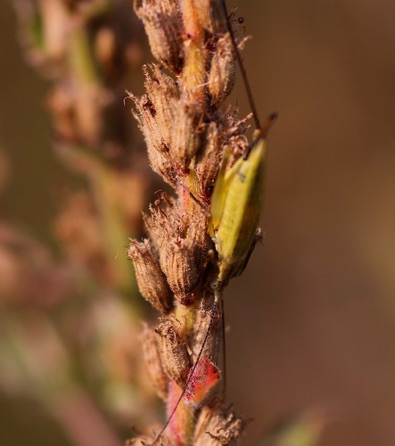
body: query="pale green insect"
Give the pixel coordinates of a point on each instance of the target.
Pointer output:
(236, 206)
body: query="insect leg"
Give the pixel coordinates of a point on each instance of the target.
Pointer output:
(241, 67)
(223, 329)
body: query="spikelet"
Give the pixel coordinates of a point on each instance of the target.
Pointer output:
(221, 78)
(163, 25)
(153, 363)
(150, 278)
(217, 427)
(173, 351)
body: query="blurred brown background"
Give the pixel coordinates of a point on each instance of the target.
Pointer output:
(312, 320)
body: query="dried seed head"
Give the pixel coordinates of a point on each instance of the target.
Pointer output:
(185, 256)
(196, 234)
(177, 123)
(164, 96)
(152, 359)
(199, 13)
(152, 115)
(163, 25)
(217, 427)
(150, 278)
(156, 223)
(173, 351)
(186, 133)
(178, 262)
(222, 74)
(183, 245)
(172, 127)
(208, 161)
(160, 223)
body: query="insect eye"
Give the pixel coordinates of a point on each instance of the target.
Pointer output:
(214, 285)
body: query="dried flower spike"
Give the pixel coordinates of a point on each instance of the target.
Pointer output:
(186, 133)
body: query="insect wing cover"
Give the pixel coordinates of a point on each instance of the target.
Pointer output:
(242, 195)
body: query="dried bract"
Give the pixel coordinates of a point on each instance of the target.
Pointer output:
(163, 25)
(172, 126)
(208, 162)
(158, 223)
(157, 150)
(186, 136)
(217, 427)
(173, 352)
(155, 371)
(150, 278)
(178, 263)
(222, 74)
(183, 245)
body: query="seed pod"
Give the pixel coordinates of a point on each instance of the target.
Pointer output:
(217, 427)
(208, 162)
(177, 261)
(150, 278)
(157, 224)
(186, 132)
(173, 352)
(156, 150)
(163, 25)
(184, 255)
(172, 127)
(164, 97)
(222, 74)
(152, 359)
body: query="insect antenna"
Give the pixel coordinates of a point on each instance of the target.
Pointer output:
(262, 133)
(223, 334)
(217, 299)
(268, 123)
(194, 198)
(241, 67)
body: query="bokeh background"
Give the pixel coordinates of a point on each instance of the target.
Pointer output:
(312, 320)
